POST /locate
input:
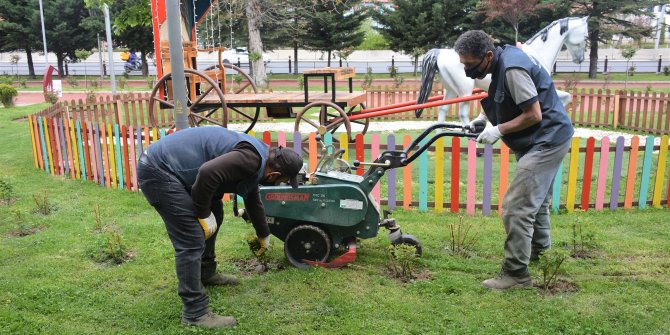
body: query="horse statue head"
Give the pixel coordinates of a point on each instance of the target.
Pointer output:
(575, 41)
(570, 31)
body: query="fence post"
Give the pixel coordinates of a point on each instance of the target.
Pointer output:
(615, 119)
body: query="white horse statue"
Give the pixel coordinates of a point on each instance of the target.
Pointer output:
(544, 46)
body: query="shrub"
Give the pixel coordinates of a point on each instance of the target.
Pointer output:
(461, 242)
(122, 81)
(50, 98)
(110, 247)
(7, 94)
(22, 82)
(367, 80)
(550, 264)
(150, 82)
(72, 81)
(6, 191)
(666, 70)
(42, 203)
(402, 261)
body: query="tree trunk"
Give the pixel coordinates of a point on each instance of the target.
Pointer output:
(416, 64)
(594, 36)
(59, 60)
(295, 58)
(145, 66)
(31, 66)
(255, 43)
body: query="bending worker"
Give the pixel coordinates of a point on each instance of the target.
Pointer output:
(184, 176)
(524, 110)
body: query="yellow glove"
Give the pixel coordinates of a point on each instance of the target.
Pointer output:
(265, 245)
(208, 225)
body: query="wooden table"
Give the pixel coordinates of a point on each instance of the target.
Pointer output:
(335, 74)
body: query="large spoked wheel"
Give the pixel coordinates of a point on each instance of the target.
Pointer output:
(364, 122)
(306, 242)
(331, 120)
(198, 111)
(238, 115)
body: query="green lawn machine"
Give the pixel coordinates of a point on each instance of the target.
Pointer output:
(333, 208)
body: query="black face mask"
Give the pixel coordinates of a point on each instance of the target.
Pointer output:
(474, 72)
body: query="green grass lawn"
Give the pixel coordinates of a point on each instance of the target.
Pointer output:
(50, 284)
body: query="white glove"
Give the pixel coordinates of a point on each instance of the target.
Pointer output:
(265, 245)
(478, 123)
(208, 225)
(490, 135)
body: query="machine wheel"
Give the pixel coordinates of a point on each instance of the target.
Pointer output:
(411, 241)
(306, 242)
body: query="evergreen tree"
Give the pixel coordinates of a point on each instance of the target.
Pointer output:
(69, 26)
(20, 28)
(335, 25)
(414, 26)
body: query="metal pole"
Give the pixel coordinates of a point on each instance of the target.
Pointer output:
(110, 50)
(44, 36)
(177, 64)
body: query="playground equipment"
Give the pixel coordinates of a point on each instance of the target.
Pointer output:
(333, 208)
(211, 100)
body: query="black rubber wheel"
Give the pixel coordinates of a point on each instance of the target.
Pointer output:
(411, 241)
(306, 242)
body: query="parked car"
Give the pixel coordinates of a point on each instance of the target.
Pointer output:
(241, 53)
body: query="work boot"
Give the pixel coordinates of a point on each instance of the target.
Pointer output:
(505, 281)
(220, 279)
(210, 321)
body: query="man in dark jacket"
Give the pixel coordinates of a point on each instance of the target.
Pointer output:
(184, 176)
(525, 111)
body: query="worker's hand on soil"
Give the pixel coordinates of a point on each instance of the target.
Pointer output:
(208, 225)
(265, 245)
(490, 135)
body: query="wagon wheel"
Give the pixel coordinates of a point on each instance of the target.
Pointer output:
(306, 242)
(246, 82)
(365, 122)
(331, 121)
(198, 111)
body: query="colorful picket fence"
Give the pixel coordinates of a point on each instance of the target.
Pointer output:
(610, 175)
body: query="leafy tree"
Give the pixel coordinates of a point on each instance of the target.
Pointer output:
(513, 12)
(610, 17)
(132, 27)
(335, 25)
(414, 26)
(69, 25)
(20, 28)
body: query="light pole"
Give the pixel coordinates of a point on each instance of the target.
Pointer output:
(44, 35)
(110, 51)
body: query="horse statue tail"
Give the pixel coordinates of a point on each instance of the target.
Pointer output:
(428, 69)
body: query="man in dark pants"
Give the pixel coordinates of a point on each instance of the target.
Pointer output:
(525, 111)
(184, 176)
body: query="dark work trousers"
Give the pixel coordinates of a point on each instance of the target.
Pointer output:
(194, 257)
(525, 210)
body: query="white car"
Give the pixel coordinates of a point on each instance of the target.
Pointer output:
(232, 56)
